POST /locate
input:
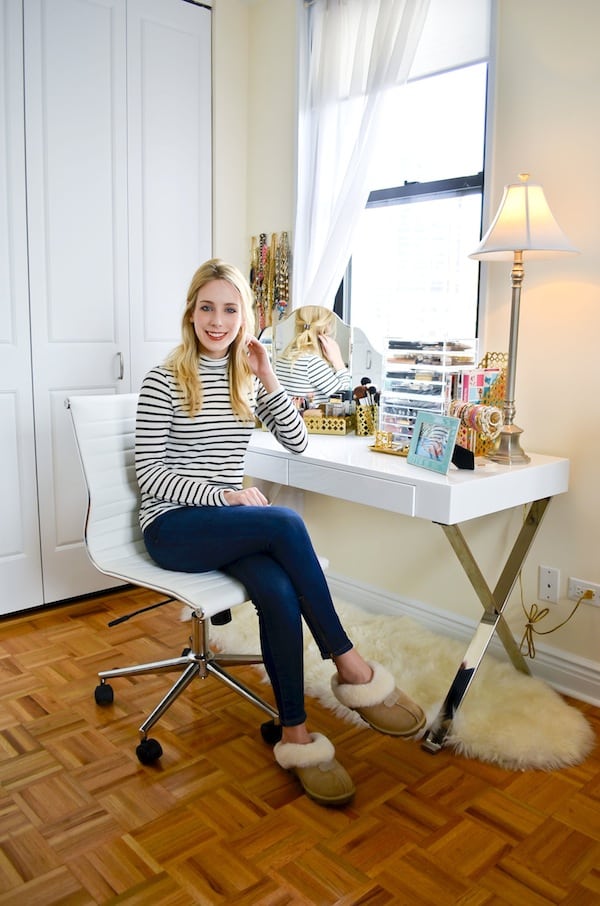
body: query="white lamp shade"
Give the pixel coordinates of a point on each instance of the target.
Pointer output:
(523, 222)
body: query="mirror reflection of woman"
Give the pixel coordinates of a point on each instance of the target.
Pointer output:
(312, 366)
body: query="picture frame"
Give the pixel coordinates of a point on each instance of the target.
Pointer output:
(432, 442)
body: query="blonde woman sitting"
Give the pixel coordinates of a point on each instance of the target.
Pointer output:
(311, 366)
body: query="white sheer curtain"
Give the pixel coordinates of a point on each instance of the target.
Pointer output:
(351, 51)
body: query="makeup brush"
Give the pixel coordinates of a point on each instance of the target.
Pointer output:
(360, 395)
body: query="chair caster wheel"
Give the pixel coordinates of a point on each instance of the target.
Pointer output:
(271, 732)
(103, 694)
(149, 751)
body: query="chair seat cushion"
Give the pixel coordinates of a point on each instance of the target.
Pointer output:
(210, 592)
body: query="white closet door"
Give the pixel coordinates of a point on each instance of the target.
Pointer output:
(20, 563)
(170, 216)
(75, 87)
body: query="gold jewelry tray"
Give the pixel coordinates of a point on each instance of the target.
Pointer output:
(393, 451)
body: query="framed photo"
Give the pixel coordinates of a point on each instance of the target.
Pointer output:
(433, 440)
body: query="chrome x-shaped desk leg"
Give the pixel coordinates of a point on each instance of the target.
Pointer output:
(492, 620)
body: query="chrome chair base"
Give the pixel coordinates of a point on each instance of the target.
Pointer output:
(196, 661)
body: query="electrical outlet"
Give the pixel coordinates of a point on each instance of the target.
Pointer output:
(577, 587)
(548, 582)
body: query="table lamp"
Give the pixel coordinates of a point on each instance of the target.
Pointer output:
(523, 223)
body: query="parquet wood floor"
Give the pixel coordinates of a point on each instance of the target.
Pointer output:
(217, 822)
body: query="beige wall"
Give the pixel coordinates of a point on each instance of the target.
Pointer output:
(544, 120)
(254, 122)
(231, 65)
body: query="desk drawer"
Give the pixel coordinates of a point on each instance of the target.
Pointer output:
(269, 468)
(396, 496)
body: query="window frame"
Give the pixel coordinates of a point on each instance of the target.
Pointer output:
(421, 191)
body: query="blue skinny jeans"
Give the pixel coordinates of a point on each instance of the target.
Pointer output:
(268, 549)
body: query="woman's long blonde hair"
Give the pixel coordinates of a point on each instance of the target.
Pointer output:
(309, 322)
(183, 360)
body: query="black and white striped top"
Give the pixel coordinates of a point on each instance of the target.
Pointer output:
(311, 376)
(183, 461)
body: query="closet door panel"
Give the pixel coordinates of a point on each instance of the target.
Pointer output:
(20, 562)
(170, 216)
(76, 128)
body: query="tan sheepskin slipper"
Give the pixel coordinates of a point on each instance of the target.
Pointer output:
(314, 764)
(380, 703)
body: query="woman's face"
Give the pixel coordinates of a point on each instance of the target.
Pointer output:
(217, 317)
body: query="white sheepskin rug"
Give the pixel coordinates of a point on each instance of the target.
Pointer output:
(507, 718)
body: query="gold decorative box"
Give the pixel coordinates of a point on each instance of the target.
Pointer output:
(329, 424)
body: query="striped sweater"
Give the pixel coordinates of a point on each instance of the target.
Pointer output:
(183, 461)
(311, 376)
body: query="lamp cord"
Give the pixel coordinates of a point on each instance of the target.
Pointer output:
(537, 613)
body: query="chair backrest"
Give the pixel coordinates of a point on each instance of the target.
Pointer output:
(105, 433)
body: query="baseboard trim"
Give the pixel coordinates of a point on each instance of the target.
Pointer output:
(571, 675)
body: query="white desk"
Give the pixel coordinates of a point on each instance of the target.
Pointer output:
(345, 467)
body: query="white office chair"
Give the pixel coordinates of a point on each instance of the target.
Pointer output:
(104, 430)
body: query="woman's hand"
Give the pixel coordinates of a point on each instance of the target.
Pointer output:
(258, 361)
(331, 351)
(246, 497)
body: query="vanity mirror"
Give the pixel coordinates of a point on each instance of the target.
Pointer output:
(312, 354)
(357, 353)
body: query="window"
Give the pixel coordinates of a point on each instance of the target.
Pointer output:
(410, 274)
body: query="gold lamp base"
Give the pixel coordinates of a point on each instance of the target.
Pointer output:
(507, 449)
